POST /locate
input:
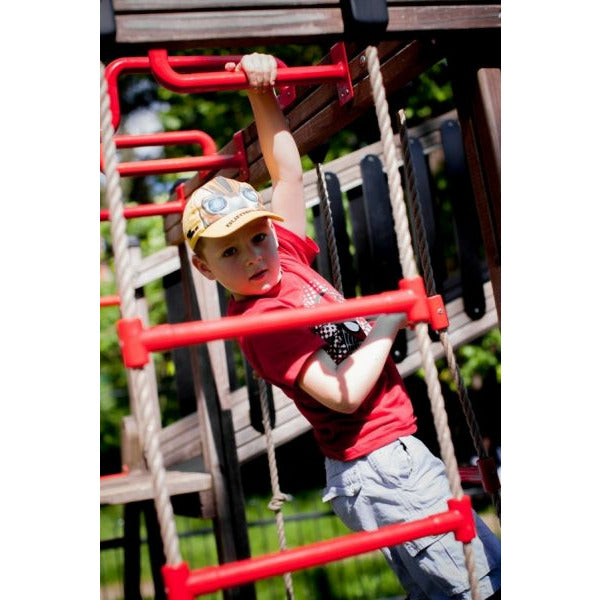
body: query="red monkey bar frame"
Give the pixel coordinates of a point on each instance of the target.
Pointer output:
(141, 64)
(165, 138)
(110, 301)
(137, 341)
(208, 162)
(182, 584)
(338, 72)
(151, 210)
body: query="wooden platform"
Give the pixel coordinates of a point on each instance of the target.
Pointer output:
(243, 23)
(134, 487)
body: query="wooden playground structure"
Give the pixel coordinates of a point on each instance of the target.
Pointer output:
(219, 435)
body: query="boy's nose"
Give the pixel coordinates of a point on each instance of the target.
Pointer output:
(253, 254)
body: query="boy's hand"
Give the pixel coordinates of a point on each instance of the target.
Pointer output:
(260, 69)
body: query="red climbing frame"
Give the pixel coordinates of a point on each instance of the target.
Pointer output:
(210, 160)
(339, 72)
(165, 138)
(182, 584)
(110, 301)
(141, 64)
(137, 341)
(215, 161)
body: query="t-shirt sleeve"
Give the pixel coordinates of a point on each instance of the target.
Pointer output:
(291, 245)
(279, 357)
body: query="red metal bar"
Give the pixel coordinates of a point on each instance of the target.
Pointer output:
(489, 474)
(110, 301)
(172, 165)
(150, 210)
(221, 81)
(168, 138)
(137, 341)
(141, 64)
(146, 210)
(120, 475)
(182, 584)
(469, 474)
(178, 165)
(164, 138)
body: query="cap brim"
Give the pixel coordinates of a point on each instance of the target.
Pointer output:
(236, 220)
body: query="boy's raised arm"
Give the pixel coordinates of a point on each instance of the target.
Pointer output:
(276, 141)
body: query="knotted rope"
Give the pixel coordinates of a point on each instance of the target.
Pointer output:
(424, 256)
(278, 498)
(147, 426)
(409, 268)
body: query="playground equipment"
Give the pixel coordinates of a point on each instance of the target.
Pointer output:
(307, 130)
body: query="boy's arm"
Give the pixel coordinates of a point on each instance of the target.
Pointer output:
(344, 387)
(276, 141)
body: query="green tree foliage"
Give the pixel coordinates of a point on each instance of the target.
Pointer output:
(476, 361)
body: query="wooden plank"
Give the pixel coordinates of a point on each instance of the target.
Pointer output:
(136, 486)
(475, 80)
(180, 441)
(227, 5)
(208, 301)
(244, 28)
(232, 28)
(156, 265)
(223, 5)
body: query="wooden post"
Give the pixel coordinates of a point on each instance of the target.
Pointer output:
(218, 446)
(474, 63)
(131, 551)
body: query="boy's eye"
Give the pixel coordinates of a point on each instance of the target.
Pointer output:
(258, 238)
(229, 251)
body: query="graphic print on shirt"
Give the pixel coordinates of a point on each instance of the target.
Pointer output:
(341, 338)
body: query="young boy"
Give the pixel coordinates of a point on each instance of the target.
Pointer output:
(339, 375)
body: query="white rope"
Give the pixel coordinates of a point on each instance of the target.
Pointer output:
(141, 386)
(278, 498)
(409, 268)
(426, 267)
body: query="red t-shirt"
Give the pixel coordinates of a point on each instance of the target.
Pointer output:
(385, 414)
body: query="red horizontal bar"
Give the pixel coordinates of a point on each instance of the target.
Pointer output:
(141, 64)
(184, 585)
(120, 475)
(469, 474)
(168, 138)
(137, 341)
(110, 301)
(229, 80)
(170, 165)
(178, 165)
(146, 210)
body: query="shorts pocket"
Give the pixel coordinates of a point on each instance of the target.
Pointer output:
(343, 492)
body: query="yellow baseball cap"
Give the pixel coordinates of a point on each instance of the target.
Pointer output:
(220, 207)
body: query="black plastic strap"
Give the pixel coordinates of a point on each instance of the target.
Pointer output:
(364, 20)
(466, 222)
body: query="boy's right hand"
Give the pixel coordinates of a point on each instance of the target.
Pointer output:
(260, 69)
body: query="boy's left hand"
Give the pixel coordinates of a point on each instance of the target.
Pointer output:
(260, 69)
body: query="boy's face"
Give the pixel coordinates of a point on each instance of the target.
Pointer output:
(245, 262)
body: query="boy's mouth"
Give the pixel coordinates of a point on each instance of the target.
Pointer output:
(259, 275)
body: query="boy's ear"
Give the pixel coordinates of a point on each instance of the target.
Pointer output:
(202, 267)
